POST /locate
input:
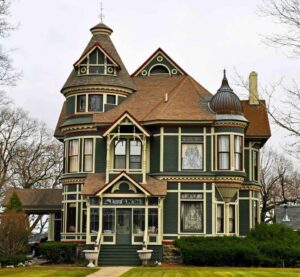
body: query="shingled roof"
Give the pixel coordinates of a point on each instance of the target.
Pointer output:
(36, 200)
(187, 101)
(122, 79)
(257, 116)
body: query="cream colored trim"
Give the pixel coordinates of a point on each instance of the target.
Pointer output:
(179, 149)
(158, 64)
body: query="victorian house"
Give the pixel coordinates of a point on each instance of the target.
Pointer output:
(154, 156)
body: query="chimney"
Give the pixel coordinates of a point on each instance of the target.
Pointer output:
(253, 93)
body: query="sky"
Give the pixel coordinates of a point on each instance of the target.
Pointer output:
(203, 37)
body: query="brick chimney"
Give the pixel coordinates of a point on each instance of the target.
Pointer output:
(253, 93)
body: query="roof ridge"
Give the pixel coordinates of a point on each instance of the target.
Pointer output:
(163, 100)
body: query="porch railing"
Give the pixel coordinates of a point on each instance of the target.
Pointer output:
(98, 243)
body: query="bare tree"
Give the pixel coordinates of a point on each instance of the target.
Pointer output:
(286, 13)
(280, 183)
(8, 74)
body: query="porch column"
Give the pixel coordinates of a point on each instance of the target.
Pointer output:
(88, 221)
(160, 219)
(146, 223)
(144, 164)
(108, 165)
(51, 227)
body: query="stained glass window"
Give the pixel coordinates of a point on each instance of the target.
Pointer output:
(191, 153)
(192, 216)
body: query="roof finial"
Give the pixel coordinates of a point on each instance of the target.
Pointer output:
(224, 73)
(101, 11)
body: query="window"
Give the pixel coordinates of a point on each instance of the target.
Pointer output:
(94, 223)
(120, 154)
(95, 103)
(108, 221)
(81, 103)
(88, 155)
(238, 152)
(255, 165)
(231, 219)
(135, 154)
(152, 221)
(73, 155)
(97, 63)
(159, 69)
(223, 152)
(254, 213)
(191, 213)
(192, 153)
(111, 99)
(220, 218)
(71, 217)
(138, 221)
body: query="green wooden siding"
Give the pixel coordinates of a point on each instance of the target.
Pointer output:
(191, 186)
(247, 162)
(70, 105)
(192, 130)
(209, 213)
(100, 159)
(229, 129)
(170, 153)
(121, 99)
(172, 186)
(208, 153)
(244, 217)
(171, 213)
(154, 154)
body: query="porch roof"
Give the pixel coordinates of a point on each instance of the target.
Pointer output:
(37, 201)
(96, 182)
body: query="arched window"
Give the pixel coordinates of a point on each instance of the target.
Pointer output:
(159, 69)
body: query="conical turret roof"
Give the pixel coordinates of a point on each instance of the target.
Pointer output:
(225, 101)
(101, 37)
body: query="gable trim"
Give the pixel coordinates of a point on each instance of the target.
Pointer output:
(90, 50)
(135, 73)
(132, 119)
(117, 178)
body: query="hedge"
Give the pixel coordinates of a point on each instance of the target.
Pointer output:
(12, 259)
(59, 252)
(267, 245)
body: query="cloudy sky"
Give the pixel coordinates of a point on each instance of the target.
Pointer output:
(203, 37)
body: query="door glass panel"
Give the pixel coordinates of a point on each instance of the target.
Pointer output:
(123, 222)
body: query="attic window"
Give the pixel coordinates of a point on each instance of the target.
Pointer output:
(96, 63)
(159, 69)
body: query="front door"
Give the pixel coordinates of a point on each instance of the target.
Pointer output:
(123, 226)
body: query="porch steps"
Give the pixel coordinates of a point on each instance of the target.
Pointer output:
(126, 254)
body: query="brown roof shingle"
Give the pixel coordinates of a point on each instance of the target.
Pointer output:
(57, 132)
(96, 181)
(187, 100)
(36, 198)
(257, 116)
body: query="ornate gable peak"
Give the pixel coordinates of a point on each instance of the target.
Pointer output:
(90, 50)
(126, 118)
(159, 63)
(123, 175)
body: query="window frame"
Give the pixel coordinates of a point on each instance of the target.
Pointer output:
(71, 156)
(200, 142)
(222, 218)
(101, 96)
(223, 152)
(125, 155)
(255, 167)
(233, 219)
(236, 153)
(131, 155)
(90, 155)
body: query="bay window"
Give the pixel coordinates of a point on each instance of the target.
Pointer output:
(81, 103)
(88, 155)
(120, 154)
(220, 218)
(152, 221)
(224, 152)
(73, 155)
(231, 219)
(191, 216)
(238, 152)
(135, 154)
(71, 217)
(191, 152)
(254, 213)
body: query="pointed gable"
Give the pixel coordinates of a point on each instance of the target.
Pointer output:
(159, 63)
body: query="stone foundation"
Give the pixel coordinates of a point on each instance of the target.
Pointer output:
(172, 254)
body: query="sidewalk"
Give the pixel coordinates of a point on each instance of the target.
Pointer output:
(110, 271)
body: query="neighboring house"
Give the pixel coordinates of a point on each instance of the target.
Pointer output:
(154, 156)
(288, 215)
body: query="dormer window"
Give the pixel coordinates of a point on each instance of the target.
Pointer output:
(160, 70)
(97, 63)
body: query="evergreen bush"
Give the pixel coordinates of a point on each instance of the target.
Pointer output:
(59, 252)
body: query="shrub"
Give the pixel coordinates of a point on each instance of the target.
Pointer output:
(267, 245)
(59, 252)
(12, 259)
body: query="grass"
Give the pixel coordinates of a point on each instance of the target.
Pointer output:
(211, 272)
(46, 271)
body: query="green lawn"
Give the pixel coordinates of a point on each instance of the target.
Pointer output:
(211, 271)
(46, 271)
